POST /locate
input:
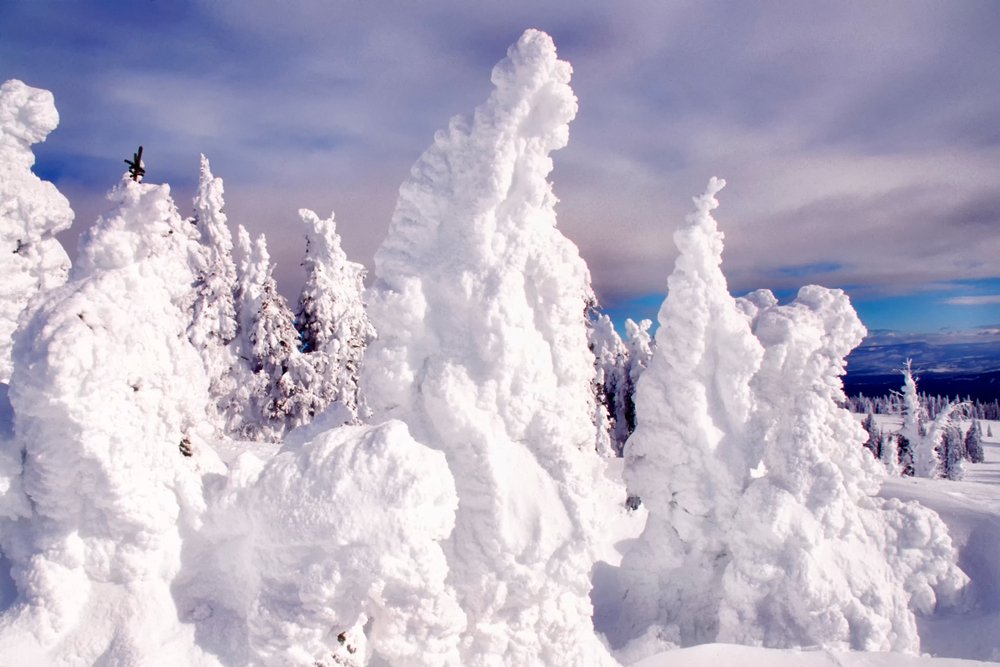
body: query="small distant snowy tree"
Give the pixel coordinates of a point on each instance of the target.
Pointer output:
(874, 441)
(920, 444)
(610, 384)
(891, 454)
(974, 444)
(639, 346)
(269, 343)
(32, 211)
(479, 304)
(953, 453)
(331, 318)
(213, 327)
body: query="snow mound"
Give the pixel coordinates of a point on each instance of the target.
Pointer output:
(479, 305)
(32, 211)
(328, 554)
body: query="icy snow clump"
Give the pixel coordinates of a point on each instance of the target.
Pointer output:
(479, 303)
(32, 211)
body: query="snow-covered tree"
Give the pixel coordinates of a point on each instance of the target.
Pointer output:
(953, 453)
(269, 343)
(816, 493)
(874, 441)
(32, 211)
(639, 345)
(751, 470)
(974, 443)
(332, 319)
(687, 458)
(479, 305)
(914, 429)
(106, 388)
(213, 325)
(610, 384)
(891, 454)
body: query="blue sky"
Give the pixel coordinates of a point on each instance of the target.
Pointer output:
(860, 140)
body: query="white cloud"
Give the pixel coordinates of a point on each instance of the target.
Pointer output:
(980, 300)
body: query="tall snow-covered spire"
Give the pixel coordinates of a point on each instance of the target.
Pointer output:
(33, 210)
(213, 325)
(686, 458)
(479, 305)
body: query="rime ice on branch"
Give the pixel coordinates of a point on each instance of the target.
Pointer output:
(32, 211)
(479, 303)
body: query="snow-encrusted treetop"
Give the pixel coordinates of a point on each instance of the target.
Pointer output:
(32, 211)
(479, 305)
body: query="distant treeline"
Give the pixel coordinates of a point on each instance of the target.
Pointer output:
(892, 404)
(983, 386)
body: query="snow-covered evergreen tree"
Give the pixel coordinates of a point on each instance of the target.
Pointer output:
(269, 343)
(891, 455)
(331, 318)
(213, 325)
(750, 468)
(973, 443)
(106, 388)
(639, 344)
(874, 441)
(687, 458)
(32, 211)
(479, 305)
(817, 493)
(921, 444)
(610, 384)
(953, 453)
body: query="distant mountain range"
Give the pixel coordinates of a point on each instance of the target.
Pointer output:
(966, 363)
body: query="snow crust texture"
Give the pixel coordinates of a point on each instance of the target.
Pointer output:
(32, 211)
(763, 523)
(479, 303)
